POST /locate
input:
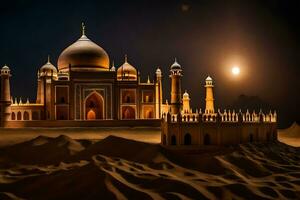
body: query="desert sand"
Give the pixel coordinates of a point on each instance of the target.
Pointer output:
(144, 134)
(118, 168)
(291, 135)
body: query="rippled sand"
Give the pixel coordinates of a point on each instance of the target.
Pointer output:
(118, 168)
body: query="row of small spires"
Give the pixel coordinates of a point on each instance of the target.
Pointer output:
(219, 112)
(223, 117)
(20, 102)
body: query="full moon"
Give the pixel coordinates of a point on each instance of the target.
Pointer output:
(235, 70)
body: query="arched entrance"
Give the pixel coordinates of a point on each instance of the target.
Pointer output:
(251, 138)
(206, 139)
(173, 140)
(187, 139)
(94, 107)
(164, 139)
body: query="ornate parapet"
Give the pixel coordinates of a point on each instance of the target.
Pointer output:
(226, 116)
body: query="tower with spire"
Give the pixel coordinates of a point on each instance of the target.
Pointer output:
(5, 98)
(158, 92)
(186, 102)
(175, 75)
(209, 99)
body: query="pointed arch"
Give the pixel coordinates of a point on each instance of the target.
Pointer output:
(173, 140)
(164, 139)
(94, 106)
(13, 116)
(251, 138)
(19, 116)
(206, 139)
(187, 139)
(128, 112)
(25, 115)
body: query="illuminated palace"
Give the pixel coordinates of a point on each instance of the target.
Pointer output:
(85, 87)
(85, 90)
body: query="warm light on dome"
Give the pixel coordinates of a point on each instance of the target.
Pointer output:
(235, 70)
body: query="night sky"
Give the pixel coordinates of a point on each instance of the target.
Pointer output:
(207, 37)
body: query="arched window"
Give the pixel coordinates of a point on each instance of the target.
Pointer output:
(268, 136)
(251, 138)
(128, 112)
(19, 116)
(173, 140)
(164, 139)
(206, 139)
(13, 116)
(187, 139)
(127, 99)
(26, 116)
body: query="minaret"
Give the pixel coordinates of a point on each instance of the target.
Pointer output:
(186, 102)
(175, 75)
(158, 93)
(39, 89)
(46, 75)
(5, 98)
(209, 100)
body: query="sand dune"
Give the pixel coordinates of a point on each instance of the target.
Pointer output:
(117, 168)
(291, 135)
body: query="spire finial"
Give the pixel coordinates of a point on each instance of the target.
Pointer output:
(48, 58)
(148, 80)
(113, 63)
(126, 58)
(175, 59)
(83, 28)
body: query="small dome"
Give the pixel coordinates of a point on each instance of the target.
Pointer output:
(186, 95)
(126, 72)
(5, 67)
(48, 69)
(83, 55)
(175, 65)
(5, 70)
(208, 78)
(158, 72)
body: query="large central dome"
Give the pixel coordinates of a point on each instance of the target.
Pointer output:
(83, 55)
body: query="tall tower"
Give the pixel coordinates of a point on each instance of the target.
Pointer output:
(158, 93)
(175, 75)
(209, 99)
(5, 99)
(46, 75)
(186, 102)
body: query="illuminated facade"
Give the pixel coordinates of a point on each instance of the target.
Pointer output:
(83, 87)
(85, 90)
(185, 127)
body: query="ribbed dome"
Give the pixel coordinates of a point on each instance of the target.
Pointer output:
(83, 55)
(126, 72)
